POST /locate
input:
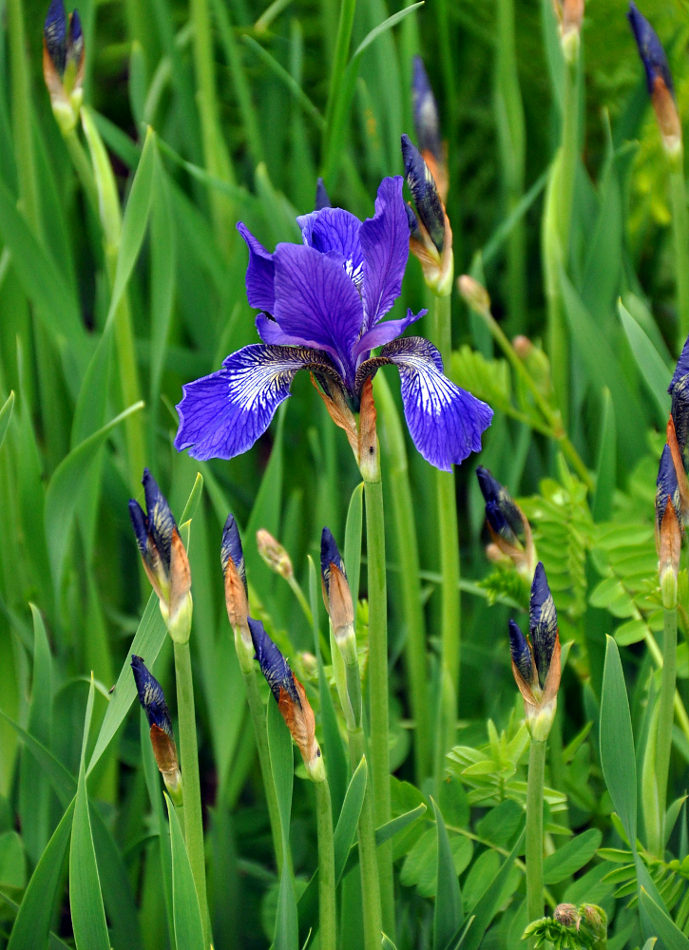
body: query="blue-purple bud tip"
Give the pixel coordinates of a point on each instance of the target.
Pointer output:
(330, 554)
(521, 654)
(151, 696)
(679, 390)
(501, 512)
(650, 49)
(426, 121)
(425, 193)
(231, 549)
(322, 197)
(55, 35)
(161, 524)
(666, 485)
(274, 666)
(542, 622)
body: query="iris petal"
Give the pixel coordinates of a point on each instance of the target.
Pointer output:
(386, 332)
(385, 242)
(223, 414)
(316, 302)
(445, 422)
(335, 232)
(260, 273)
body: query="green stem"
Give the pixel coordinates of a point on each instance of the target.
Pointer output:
(680, 228)
(446, 506)
(189, 763)
(83, 168)
(534, 830)
(22, 115)
(665, 719)
(368, 862)
(326, 869)
(392, 438)
(258, 719)
(378, 683)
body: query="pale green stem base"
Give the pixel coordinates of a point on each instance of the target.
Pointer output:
(258, 719)
(327, 907)
(665, 722)
(378, 687)
(189, 763)
(680, 228)
(534, 830)
(446, 506)
(368, 862)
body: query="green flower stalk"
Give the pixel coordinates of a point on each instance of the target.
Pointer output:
(338, 603)
(167, 567)
(236, 602)
(153, 703)
(536, 669)
(299, 718)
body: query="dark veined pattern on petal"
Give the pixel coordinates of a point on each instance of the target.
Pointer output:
(223, 414)
(445, 422)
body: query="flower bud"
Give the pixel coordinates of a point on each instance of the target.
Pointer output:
(475, 295)
(658, 79)
(336, 593)
(152, 700)
(164, 558)
(507, 524)
(434, 249)
(668, 528)
(427, 127)
(63, 63)
(274, 554)
(291, 699)
(570, 14)
(236, 596)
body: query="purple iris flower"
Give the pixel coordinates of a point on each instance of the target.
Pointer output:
(322, 306)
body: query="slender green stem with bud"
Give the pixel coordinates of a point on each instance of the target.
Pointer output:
(446, 505)
(534, 830)
(665, 720)
(378, 681)
(327, 907)
(189, 763)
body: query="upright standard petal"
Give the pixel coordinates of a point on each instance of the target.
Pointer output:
(223, 414)
(445, 422)
(317, 303)
(385, 242)
(335, 232)
(260, 273)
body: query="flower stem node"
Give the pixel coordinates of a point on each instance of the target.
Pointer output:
(164, 558)
(291, 698)
(152, 700)
(536, 661)
(658, 80)
(63, 64)
(431, 240)
(322, 306)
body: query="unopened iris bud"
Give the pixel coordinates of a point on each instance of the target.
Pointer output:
(322, 197)
(291, 699)
(570, 14)
(164, 558)
(668, 528)
(507, 524)
(434, 250)
(63, 63)
(679, 409)
(236, 596)
(536, 661)
(427, 127)
(475, 294)
(152, 700)
(658, 79)
(336, 593)
(274, 554)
